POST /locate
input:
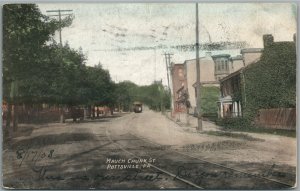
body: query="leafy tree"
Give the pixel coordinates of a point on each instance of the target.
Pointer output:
(126, 93)
(155, 96)
(25, 66)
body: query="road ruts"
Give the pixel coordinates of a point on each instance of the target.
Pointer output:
(196, 172)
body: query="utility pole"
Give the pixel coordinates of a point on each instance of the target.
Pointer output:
(59, 19)
(167, 58)
(169, 67)
(62, 116)
(199, 127)
(161, 96)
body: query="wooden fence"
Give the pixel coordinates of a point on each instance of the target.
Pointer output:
(277, 118)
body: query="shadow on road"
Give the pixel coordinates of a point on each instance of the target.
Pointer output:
(96, 119)
(53, 139)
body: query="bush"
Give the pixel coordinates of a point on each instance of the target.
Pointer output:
(238, 123)
(209, 98)
(245, 125)
(210, 116)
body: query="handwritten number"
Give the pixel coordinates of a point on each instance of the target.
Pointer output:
(51, 153)
(20, 153)
(43, 155)
(25, 155)
(34, 156)
(35, 152)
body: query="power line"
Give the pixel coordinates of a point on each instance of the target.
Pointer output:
(208, 46)
(59, 19)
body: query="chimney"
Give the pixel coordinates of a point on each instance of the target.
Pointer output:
(208, 54)
(268, 40)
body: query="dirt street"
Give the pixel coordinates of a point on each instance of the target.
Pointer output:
(145, 151)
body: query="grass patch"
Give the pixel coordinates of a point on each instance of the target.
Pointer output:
(210, 116)
(282, 132)
(215, 146)
(233, 135)
(245, 125)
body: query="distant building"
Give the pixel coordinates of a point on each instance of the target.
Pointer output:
(179, 87)
(236, 63)
(213, 68)
(251, 55)
(207, 76)
(222, 67)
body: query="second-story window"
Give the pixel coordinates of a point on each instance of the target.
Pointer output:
(180, 72)
(222, 64)
(226, 64)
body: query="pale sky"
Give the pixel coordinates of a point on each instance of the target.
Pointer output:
(104, 30)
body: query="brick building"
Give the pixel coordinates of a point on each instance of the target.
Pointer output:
(179, 87)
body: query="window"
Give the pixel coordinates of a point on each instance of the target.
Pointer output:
(226, 64)
(180, 72)
(222, 64)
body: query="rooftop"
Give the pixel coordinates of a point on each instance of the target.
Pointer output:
(238, 57)
(239, 71)
(251, 50)
(221, 56)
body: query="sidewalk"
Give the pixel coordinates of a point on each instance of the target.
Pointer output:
(246, 147)
(181, 120)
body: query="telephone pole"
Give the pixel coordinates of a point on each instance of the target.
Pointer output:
(167, 58)
(199, 127)
(169, 67)
(59, 15)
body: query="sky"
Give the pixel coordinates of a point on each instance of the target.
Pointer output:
(129, 39)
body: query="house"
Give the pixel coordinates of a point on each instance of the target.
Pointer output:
(230, 85)
(234, 102)
(229, 104)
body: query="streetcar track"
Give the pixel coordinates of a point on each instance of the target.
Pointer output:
(216, 164)
(212, 163)
(139, 138)
(153, 166)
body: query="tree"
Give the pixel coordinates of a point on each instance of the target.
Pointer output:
(25, 33)
(126, 93)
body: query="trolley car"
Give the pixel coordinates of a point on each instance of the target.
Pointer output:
(137, 107)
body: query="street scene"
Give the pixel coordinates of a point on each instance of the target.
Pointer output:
(149, 96)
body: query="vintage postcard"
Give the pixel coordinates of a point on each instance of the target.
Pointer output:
(149, 96)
